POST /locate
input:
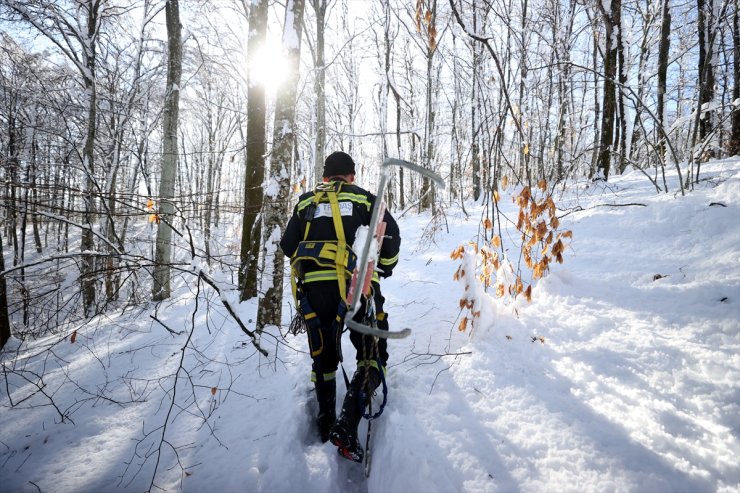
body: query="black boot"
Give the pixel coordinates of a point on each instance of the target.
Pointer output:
(344, 432)
(326, 394)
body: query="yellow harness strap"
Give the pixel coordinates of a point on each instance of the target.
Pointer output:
(336, 216)
(341, 252)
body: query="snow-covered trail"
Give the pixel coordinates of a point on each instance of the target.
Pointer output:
(634, 388)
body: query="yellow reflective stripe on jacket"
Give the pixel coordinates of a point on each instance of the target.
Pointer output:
(354, 197)
(304, 203)
(388, 261)
(329, 275)
(342, 196)
(320, 275)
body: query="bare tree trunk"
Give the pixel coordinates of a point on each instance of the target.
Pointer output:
(88, 159)
(474, 149)
(210, 176)
(523, 110)
(163, 254)
(399, 142)
(734, 144)
(277, 204)
(663, 49)
(597, 106)
(705, 24)
(609, 105)
(622, 141)
(255, 161)
(427, 191)
(562, 52)
(637, 135)
(4, 319)
(703, 125)
(319, 7)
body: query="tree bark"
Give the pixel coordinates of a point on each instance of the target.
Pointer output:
(621, 113)
(161, 287)
(474, 150)
(4, 319)
(637, 135)
(427, 191)
(609, 104)
(663, 49)
(277, 202)
(255, 161)
(706, 70)
(734, 144)
(319, 7)
(87, 275)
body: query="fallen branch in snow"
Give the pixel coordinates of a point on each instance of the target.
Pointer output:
(233, 314)
(153, 317)
(157, 450)
(578, 208)
(40, 386)
(430, 358)
(435, 357)
(208, 280)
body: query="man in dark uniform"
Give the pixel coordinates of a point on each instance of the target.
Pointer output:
(318, 240)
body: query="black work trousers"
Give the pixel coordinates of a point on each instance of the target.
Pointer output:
(324, 298)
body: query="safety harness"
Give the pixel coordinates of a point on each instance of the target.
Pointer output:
(335, 260)
(326, 254)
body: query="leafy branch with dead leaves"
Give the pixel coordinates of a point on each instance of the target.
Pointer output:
(485, 264)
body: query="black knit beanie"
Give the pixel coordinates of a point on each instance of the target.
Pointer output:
(337, 164)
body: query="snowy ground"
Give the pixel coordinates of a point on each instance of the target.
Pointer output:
(635, 387)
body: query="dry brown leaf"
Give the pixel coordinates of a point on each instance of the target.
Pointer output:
(463, 324)
(457, 253)
(541, 230)
(74, 337)
(557, 248)
(213, 390)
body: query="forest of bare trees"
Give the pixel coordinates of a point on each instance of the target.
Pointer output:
(142, 142)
